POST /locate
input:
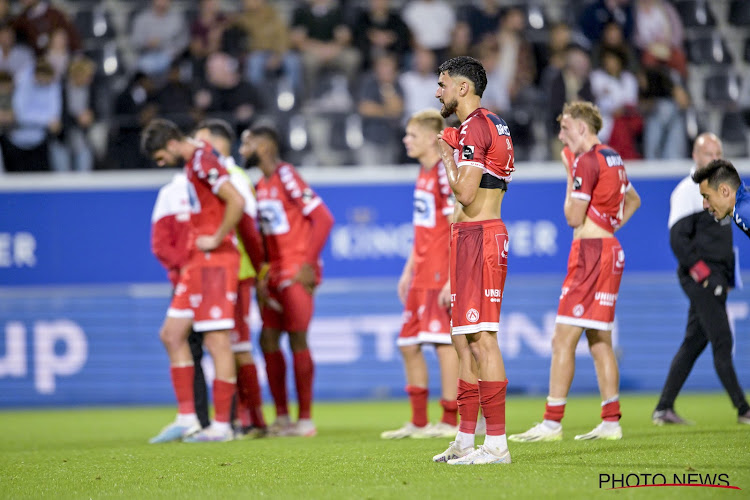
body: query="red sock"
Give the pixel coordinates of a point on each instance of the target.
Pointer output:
(450, 412)
(418, 400)
(468, 406)
(304, 370)
(242, 412)
(182, 382)
(554, 412)
(250, 399)
(611, 411)
(492, 398)
(223, 394)
(276, 370)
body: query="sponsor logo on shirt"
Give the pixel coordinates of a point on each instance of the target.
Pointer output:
(467, 153)
(577, 181)
(494, 294)
(606, 299)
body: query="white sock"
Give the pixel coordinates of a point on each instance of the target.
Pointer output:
(220, 426)
(464, 440)
(552, 424)
(187, 419)
(610, 425)
(496, 444)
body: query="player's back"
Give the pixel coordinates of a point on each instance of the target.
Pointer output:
(599, 174)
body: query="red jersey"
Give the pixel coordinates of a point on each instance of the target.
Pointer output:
(285, 203)
(484, 142)
(205, 175)
(599, 177)
(433, 201)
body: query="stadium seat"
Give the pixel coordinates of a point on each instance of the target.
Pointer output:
(94, 25)
(722, 88)
(739, 13)
(696, 14)
(734, 134)
(709, 50)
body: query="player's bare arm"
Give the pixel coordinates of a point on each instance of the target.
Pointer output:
(234, 206)
(632, 203)
(405, 280)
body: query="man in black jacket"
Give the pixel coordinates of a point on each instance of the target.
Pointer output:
(703, 247)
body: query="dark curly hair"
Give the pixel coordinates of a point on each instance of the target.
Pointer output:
(716, 172)
(469, 68)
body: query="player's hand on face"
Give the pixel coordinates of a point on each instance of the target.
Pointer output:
(567, 157)
(206, 243)
(444, 297)
(306, 277)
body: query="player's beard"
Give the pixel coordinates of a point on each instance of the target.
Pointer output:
(449, 108)
(252, 161)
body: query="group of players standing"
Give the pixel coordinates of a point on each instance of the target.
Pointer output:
(452, 284)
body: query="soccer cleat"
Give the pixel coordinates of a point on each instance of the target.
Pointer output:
(438, 430)
(175, 432)
(210, 435)
(482, 455)
(452, 453)
(539, 432)
(280, 426)
(303, 428)
(408, 430)
(744, 418)
(250, 432)
(602, 431)
(668, 416)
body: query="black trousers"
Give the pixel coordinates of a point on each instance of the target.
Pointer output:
(200, 391)
(707, 322)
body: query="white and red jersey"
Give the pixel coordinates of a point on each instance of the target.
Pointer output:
(286, 204)
(433, 202)
(599, 177)
(206, 174)
(484, 142)
(170, 226)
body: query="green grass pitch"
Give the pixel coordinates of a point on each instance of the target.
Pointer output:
(102, 453)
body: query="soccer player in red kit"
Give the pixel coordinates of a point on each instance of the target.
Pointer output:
(599, 200)
(206, 293)
(424, 288)
(295, 223)
(478, 159)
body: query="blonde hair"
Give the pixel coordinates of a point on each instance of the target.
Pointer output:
(586, 111)
(428, 118)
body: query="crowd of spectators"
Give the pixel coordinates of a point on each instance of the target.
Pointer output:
(75, 90)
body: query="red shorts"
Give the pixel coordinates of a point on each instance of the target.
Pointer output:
(478, 265)
(290, 306)
(589, 293)
(241, 333)
(424, 320)
(207, 291)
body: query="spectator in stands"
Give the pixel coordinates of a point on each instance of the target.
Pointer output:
(598, 14)
(418, 84)
(58, 53)
(175, 98)
(6, 16)
(6, 110)
(659, 35)
(226, 95)
(615, 92)
(377, 30)
(663, 101)
(516, 55)
(431, 23)
(322, 37)
(206, 30)
(553, 60)
(37, 107)
(268, 45)
(13, 56)
(158, 36)
(495, 97)
(38, 20)
(614, 38)
(572, 83)
(134, 109)
(78, 116)
(381, 105)
(480, 20)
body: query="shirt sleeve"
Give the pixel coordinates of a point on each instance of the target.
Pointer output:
(585, 177)
(209, 170)
(297, 190)
(445, 200)
(474, 142)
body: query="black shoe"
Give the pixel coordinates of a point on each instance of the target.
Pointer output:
(744, 418)
(668, 416)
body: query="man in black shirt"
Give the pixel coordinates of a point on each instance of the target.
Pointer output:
(703, 247)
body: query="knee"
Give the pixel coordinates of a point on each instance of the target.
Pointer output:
(269, 341)
(298, 341)
(562, 345)
(171, 338)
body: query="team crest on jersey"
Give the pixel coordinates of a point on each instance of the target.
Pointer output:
(467, 153)
(472, 315)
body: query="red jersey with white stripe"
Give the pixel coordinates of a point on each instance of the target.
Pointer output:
(170, 226)
(433, 202)
(484, 142)
(206, 174)
(599, 177)
(284, 203)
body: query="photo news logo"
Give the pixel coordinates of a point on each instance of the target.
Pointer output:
(642, 480)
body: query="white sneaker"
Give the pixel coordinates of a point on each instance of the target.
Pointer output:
(602, 431)
(539, 432)
(303, 428)
(408, 430)
(175, 432)
(452, 453)
(280, 426)
(210, 435)
(482, 455)
(438, 430)
(481, 429)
